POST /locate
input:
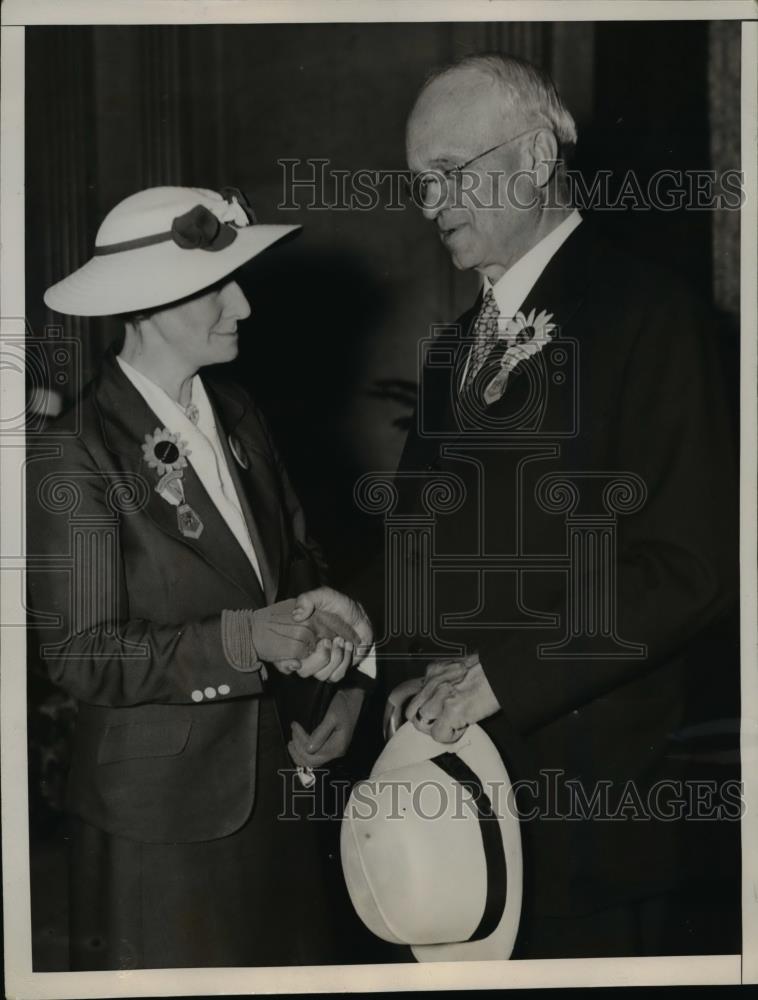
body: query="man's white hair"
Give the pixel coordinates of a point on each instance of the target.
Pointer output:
(527, 90)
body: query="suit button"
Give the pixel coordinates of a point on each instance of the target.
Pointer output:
(223, 689)
(210, 692)
(197, 695)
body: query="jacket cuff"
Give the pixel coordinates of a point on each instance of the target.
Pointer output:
(237, 640)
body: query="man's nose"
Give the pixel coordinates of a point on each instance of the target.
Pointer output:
(235, 302)
(434, 198)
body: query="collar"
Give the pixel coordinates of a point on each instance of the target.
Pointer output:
(512, 288)
(126, 417)
(168, 411)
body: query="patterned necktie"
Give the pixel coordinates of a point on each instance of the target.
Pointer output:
(485, 335)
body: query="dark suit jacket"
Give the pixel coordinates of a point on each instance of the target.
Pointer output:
(631, 383)
(135, 626)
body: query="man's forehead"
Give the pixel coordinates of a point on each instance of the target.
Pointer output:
(456, 110)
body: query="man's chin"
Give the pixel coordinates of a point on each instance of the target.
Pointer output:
(461, 260)
(458, 245)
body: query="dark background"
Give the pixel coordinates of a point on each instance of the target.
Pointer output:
(330, 349)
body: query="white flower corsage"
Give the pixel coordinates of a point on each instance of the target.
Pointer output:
(524, 336)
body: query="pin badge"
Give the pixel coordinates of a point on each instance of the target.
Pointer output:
(167, 454)
(188, 522)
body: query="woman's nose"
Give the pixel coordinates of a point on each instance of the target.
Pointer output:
(235, 302)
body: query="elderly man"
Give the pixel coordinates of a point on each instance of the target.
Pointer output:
(584, 393)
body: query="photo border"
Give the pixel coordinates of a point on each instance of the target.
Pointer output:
(21, 981)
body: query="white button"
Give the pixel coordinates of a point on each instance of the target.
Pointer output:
(224, 689)
(210, 692)
(197, 695)
(264, 673)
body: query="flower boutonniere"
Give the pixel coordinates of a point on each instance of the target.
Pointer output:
(165, 452)
(524, 336)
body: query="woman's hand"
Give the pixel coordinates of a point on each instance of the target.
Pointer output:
(277, 637)
(331, 737)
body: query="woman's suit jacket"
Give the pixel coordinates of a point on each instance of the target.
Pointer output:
(128, 611)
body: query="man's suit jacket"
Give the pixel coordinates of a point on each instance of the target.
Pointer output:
(135, 633)
(631, 383)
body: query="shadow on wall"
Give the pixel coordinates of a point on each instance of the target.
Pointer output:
(316, 314)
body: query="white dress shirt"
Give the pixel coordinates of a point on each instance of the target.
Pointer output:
(206, 454)
(511, 288)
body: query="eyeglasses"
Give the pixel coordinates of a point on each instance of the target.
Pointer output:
(453, 175)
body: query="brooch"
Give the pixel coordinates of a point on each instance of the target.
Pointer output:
(165, 452)
(524, 336)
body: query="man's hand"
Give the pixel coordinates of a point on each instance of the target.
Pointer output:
(455, 694)
(331, 737)
(329, 661)
(326, 601)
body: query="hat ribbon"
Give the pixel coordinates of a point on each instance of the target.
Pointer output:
(197, 229)
(492, 841)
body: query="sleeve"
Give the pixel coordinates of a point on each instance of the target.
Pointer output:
(677, 562)
(90, 650)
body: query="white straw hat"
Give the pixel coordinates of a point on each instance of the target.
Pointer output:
(160, 245)
(431, 848)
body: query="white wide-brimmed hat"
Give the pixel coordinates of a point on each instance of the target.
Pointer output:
(431, 848)
(160, 245)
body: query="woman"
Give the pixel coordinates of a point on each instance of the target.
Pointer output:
(181, 538)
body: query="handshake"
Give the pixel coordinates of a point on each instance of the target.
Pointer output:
(320, 634)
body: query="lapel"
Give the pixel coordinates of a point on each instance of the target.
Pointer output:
(444, 383)
(559, 290)
(434, 417)
(258, 491)
(126, 419)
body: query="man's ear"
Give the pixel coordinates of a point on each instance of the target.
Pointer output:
(545, 156)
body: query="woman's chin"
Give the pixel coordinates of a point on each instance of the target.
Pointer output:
(227, 349)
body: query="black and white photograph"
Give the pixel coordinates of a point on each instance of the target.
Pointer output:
(378, 444)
